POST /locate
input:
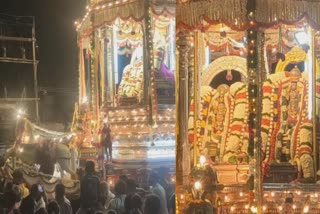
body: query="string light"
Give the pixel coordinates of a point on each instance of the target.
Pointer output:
(20, 149)
(197, 185)
(254, 209)
(264, 207)
(202, 160)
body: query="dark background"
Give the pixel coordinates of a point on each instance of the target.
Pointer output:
(57, 55)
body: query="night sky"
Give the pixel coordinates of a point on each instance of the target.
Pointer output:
(56, 38)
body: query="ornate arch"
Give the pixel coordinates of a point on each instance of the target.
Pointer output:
(221, 64)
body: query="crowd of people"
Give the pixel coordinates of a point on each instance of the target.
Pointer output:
(96, 196)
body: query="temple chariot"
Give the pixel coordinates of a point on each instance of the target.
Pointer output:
(248, 106)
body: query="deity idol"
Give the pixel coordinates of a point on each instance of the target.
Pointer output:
(222, 131)
(131, 85)
(286, 129)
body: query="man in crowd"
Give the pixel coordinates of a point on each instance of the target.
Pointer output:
(159, 191)
(29, 204)
(106, 140)
(63, 202)
(89, 188)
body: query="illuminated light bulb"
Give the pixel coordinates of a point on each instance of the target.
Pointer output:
(306, 209)
(85, 99)
(20, 149)
(226, 198)
(182, 196)
(280, 208)
(202, 160)
(294, 206)
(254, 209)
(241, 194)
(246, 206)
(232, 208)
(298, 192)
(264, 207)
(26, 138)
(197, 185)
(316, 195)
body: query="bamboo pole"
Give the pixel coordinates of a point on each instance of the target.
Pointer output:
(35, 71)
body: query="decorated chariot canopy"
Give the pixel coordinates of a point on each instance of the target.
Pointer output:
(138, 30)
(192, 13)
(107, 11)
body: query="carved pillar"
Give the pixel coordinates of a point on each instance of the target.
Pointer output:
(199, 61)
(191, 74)
(182, 153)
(255, 104)
(314, 101)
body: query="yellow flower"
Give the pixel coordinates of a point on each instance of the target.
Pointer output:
(205, 111)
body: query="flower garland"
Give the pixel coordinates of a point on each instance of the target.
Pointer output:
(233, 135)
(237, 140)
(269, 111)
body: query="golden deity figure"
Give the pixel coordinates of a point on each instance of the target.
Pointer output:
(220, 109)
(293, 96)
